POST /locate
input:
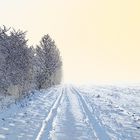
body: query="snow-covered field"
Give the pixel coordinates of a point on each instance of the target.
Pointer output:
(74, 113)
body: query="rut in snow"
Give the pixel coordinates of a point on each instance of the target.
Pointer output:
(47, 123)
(100, 131)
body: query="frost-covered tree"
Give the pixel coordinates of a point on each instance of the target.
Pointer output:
(48, 63)
(15, 61)
(22, 67)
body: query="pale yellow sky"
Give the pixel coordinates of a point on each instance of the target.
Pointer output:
(99, 40)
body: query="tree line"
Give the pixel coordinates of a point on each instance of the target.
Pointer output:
(24, 67)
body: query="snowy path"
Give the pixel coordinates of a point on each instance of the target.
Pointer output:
(70, 113)
(71, 120)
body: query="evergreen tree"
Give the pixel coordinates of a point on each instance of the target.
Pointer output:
(48, 62)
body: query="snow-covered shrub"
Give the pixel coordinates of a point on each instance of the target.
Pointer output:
(47, 63)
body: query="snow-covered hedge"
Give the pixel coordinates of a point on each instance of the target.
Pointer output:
(23, 68)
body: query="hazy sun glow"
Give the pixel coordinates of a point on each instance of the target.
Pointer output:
(99, 40)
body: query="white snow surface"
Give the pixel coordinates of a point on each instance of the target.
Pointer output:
(68, 112)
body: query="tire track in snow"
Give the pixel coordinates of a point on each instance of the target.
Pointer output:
(101, 134)
(69, 123)
(47, 123)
